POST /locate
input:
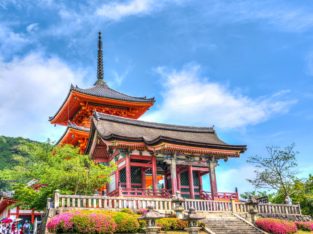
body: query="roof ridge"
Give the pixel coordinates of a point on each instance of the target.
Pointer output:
(141, 123)
(105, 86)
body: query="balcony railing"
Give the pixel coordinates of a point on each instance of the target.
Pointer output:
(166, 204)
(139, 192)
(219, 196)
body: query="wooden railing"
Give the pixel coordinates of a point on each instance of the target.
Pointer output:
(267, 208)
(208, 205)
(166, 204)
(95, 202)
(220, 195)
(139, 192)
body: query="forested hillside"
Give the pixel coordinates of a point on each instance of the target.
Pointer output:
(10, 149)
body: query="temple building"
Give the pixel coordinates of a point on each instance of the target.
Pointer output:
(153, 159)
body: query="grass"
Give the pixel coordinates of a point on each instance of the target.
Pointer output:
(303, 232)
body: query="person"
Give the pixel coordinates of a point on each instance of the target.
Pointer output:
(288, 200)
(26, 227)
(13, 228)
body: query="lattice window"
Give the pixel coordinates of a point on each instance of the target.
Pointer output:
(196, 179)
(136, 175)
(184, 178)
(169, 183)
(123, 175)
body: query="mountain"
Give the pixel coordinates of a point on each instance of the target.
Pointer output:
(10, 148)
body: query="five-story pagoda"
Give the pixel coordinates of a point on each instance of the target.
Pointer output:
(79, 105)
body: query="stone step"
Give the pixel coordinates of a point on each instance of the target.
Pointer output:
(229, 224)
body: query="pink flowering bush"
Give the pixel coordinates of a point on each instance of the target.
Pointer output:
(61, 223)
(276, 226)
(82, 223)
(305, 226)
(93, 223)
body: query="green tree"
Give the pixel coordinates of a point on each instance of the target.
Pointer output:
(301, 192)
(276, 171)
(60, 167)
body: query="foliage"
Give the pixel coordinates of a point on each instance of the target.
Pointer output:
(277, 170)
(60, 167)
(126, 223)
(100, 221)
(305, 226)
(247, 195)
(276, 226)
(301, 192)
(81, 223)
(61, 223)
(11, 154)
(168, 224)
(127, 210)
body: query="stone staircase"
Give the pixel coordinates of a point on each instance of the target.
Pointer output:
(229, 224)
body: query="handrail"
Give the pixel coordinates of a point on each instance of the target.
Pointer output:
(166, 204)
(219, 195)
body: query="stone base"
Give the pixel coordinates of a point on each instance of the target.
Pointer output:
(193, 230)
(152, 230)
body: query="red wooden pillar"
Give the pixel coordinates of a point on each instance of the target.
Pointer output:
(154, 174)
(17, 211)
(33, 216)
(173, 175)
(117, 181)
(212, 165)
(191, 186)
(9, 212)
(128, 174)
(178, 179)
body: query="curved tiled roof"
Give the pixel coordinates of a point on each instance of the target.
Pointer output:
(119, 128)
(101, 89)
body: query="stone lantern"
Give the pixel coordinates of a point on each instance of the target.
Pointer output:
(253, 207)
(193, 221)
(150, 217)
(178, 202)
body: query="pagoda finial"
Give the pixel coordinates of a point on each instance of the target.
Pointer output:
(100, 62)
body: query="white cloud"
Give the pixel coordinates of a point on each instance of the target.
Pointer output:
(32, 28)
(189, 98)
(115, 11)
(31, 89)
(11, 41)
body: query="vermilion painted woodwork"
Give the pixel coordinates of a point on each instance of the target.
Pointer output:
(75, 137)
(191, 186)
(79, 107)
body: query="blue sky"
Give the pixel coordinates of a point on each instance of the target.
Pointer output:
(245, 67)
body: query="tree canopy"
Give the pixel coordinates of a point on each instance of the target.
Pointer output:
(60, 167)
(275, 171)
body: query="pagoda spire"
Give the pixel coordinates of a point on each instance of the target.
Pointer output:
(100, 80)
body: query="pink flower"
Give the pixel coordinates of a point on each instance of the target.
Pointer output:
(276, 226)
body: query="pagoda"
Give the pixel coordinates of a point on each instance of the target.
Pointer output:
(79, 105)
(152, 159)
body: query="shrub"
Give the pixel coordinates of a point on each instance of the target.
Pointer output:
(276, 226)
(127, 210)
(82, 223)
(125, 222)
(93, 223)
(168, 224)
(305, 226)
(61, 223)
